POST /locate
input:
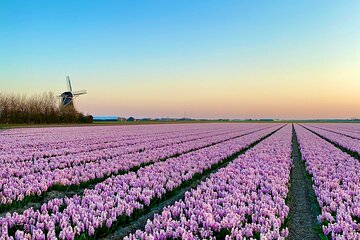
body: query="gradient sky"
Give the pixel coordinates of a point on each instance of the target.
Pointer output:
(228, 59)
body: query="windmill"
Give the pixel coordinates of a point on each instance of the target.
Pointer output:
(67, 98)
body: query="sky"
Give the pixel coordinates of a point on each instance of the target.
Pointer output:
(211, 59)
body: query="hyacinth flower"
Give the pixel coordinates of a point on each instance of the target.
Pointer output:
(119, 196)
(336, 185)
(351, 143)
(246, 199)
(94, 165)
(348, 130)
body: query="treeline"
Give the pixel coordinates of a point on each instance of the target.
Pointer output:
(37, 109)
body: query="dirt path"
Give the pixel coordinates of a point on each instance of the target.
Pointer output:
(302, 216)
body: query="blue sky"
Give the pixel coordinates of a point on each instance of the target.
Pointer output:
(209, 58)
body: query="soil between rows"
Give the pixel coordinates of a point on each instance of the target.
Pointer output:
(302, 219)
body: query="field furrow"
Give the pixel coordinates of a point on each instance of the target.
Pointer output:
(336, 183)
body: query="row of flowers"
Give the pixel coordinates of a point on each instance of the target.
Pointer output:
(16, 188)
(20, 168)
(338, 138)
(111, 202)
(352, 130)
(36, 139)
(244, 200)
(336, 182)
(30, 149)
(64, 135)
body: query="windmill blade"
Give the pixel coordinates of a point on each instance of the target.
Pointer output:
(81, 92)
(68, 83)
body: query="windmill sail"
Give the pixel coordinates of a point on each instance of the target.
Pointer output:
(69, 83)
(80, 92)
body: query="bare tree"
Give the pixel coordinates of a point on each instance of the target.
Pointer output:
(36, 109)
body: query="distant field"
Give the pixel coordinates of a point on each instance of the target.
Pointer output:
(216, 180)
(97, 123)
(90, 124)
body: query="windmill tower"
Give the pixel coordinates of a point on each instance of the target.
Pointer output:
(67, 98)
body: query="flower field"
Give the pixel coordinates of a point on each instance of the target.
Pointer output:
(336, 183)
(196, 181)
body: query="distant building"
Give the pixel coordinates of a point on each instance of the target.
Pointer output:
(131, 119)
(105, 118)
